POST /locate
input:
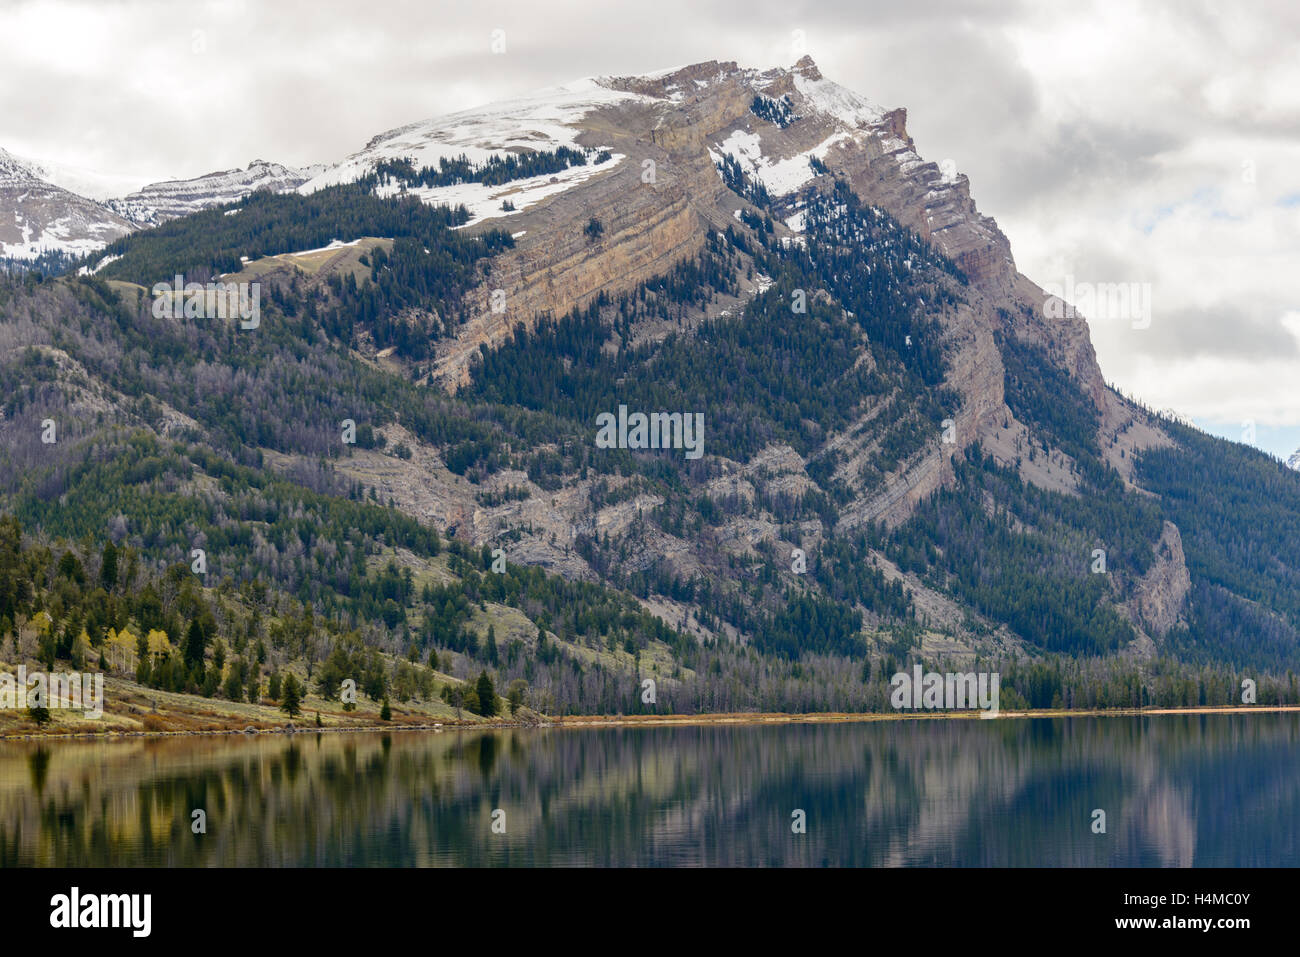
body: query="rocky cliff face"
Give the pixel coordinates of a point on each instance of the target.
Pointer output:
(662, 193)
(656, 201)
(1159, 600)
(669, 131)
(159, 202)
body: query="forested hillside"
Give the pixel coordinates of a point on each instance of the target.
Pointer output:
(355, 519)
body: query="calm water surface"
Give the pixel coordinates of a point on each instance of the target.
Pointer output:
(1221, 790)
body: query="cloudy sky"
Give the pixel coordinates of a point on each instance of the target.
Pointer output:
(1155, 142)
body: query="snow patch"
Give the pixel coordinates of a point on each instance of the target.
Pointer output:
(484, 202)
(782, 176)
(334, 244)
(543, 121)
(88, 271)
(840, 102)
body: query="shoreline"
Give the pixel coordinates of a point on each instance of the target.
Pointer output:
(658, 720)
(774, 718)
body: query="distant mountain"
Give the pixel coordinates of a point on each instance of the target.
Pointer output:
(160, 202)
(38, 217)
(497, 326)
(42, 211)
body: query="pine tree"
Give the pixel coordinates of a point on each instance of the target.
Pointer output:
(292, 694)
(108, 567)
(195, 644)
(385, 712)
(487, 696)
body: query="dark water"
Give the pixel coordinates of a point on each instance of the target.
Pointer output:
(1218, 790)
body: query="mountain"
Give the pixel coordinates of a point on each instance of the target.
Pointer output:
(47, 208)
(37, 217)
(159, 202)
(880, 442)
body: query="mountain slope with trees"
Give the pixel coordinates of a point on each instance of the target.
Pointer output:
(903, 459)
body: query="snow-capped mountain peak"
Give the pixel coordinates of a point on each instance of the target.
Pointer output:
(37, 216)
(159, 202)
(544, 121)
(574, 115)
(775, 125)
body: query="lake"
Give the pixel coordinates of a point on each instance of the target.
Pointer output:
(1176, 790)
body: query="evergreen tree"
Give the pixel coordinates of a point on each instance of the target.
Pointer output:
(108, 567)
(292, 694)
(487, 695)
(195, 644)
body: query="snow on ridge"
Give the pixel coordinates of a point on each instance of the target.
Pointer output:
(169, 199)
(649, 75)
(257, 173)
(334, 244)
(484, 202)
(830, 98)
(48, 217)
(544, 120)
(87, 183)
(550, 118)
(51, 240)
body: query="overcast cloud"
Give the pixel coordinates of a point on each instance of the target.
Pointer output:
(1155, 143)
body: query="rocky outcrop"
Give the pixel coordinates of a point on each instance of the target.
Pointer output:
(556, 267)
(886, 171)
(1159, 598)
(676, 121)
(159, 202)
(660, 197)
